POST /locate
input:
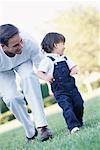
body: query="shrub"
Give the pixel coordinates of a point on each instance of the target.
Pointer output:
(5, 117)
(96, 84)
(45, 93)
(28, 109)
(83, 88)
(8, 116)
(3, 107)
(49, 101)
(44, 90)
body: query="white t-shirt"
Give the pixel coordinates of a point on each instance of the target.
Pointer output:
(30, 51)
(47, 65)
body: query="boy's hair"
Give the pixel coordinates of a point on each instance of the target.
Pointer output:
(50, 39)
(7, 31)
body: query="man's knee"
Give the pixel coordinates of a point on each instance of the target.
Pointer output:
(13, 99)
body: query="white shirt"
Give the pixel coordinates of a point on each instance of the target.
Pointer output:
(47, 65)
(30, 51)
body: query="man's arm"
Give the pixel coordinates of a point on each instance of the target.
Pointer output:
(43, 70)
(72, 67)
(34, 49)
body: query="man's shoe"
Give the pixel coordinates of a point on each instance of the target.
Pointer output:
(29, 140)
(45, 134)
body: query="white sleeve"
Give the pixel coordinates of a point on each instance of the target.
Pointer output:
(33, 48)
(36, 54)
(0, 56)
(44, 65)
(70, 63)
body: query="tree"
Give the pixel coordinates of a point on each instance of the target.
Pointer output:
(80, 25)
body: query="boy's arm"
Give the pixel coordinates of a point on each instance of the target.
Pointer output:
(72, 67)
(43, 71)
(44, 76)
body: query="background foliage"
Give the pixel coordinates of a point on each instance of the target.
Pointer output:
(80, 26)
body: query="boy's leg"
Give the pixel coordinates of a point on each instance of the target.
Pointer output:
(78, 105)
(15, 101)
(65, 103)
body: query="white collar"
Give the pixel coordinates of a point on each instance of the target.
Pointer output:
(53, 55)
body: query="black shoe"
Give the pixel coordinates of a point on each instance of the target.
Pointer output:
(28, 140)
(45, 134)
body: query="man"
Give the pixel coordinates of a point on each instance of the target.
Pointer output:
(18, 53)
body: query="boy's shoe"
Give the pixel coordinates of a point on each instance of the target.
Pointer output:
(74, 130)
(45, 134)
(30, 140)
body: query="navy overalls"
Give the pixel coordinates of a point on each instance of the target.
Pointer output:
(67, 94)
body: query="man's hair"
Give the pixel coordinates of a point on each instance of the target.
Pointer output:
(50, 39)
(7, 31)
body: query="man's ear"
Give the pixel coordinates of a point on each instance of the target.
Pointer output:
(2, 45)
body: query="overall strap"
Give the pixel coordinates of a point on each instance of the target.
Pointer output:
(54, 59)
(65, 57)
(51, 58)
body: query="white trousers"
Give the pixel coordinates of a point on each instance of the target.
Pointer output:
(15, 99)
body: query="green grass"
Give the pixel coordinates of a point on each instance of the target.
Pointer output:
(88, 138)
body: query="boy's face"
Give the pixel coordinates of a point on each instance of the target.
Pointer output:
(15, 45)
(59, 48)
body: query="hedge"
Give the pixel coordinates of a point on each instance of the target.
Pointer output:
(49, 101)
(3, 107)
(8, 116)
(44, 90)
(5, 117)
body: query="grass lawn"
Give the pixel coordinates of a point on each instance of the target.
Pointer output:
(88, 138)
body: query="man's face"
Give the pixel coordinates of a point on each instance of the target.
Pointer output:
(15, 45)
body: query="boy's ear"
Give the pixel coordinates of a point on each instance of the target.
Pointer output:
(55, 45)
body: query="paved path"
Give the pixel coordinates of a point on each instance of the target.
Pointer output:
(15, 123)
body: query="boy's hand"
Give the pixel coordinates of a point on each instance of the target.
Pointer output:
(43, 76)
(73, 71)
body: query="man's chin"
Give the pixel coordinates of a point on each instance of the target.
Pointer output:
(19, 52)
